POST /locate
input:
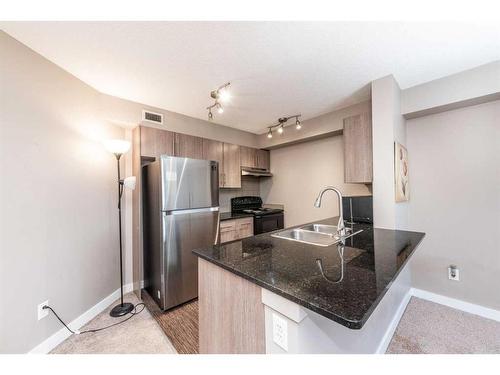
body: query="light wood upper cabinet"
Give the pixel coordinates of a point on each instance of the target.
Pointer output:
(214, 150)
(155, 142)
(358, 154)
(254, 158)
(231, 166)
(248, 157)
(188, 146)
(263, 161)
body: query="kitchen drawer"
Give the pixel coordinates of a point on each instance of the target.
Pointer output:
(228, 231)
(227, 225)
(228, 235)
(244, 227)
(231, 230)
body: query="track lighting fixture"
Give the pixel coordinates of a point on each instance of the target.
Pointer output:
(220, 95)
(281, 125)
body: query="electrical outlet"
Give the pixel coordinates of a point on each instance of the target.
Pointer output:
(280, 331)
(42, 313)
(453, 273)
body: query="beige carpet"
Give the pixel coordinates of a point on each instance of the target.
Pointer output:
(180, 324)
(139, 335)
(430, 328)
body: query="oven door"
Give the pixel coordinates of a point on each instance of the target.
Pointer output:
(267, 223)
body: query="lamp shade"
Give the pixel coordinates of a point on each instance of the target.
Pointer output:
(129, 182)
(117, 146)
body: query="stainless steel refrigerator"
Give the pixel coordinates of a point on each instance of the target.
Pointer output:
(180, 213)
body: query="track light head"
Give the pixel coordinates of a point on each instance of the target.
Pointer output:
(270, 133)
(224, 96)
(280, 129)
(219, 108)
(298, 126)
(210, 115)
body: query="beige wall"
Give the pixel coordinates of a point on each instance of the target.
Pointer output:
(388, 126)
(455, 199)
(300, 171)
(128, 114)
(58, 216)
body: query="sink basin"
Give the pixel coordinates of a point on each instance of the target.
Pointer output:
(321, 228)
(305, 236)
(314, 234)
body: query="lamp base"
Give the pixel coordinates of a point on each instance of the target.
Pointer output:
(121, 310)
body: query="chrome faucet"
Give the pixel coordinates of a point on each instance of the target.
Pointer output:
(341, 231)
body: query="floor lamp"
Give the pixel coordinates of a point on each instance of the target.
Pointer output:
(118, 147)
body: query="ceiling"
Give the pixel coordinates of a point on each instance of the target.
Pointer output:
(275, 68)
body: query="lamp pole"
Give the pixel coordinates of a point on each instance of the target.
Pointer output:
(123, 308)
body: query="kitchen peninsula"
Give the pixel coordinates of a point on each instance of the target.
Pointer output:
(269, 295)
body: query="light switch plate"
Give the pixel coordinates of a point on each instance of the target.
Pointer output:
(280, 331)
(42, 313)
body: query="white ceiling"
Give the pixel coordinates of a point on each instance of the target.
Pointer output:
(275, 68)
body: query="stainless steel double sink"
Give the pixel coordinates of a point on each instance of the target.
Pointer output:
(315, 234)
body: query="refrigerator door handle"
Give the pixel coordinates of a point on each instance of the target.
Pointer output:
(216, 242)
(191, 211)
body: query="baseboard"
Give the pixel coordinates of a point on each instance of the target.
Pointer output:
(468, 307)
(61, 335)
(386, 340)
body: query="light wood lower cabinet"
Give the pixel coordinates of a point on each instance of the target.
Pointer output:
(236, 229)
(231, 313)
(244, 227)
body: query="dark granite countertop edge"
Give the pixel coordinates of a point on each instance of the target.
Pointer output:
(328, 314)
(230, 216)
(352, 324)
(375, 303)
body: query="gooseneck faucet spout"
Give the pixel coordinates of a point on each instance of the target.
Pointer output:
(340, 226)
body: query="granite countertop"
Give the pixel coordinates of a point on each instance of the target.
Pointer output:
(372, 259)
(231, 215)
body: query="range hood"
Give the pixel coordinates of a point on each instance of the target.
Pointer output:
(256, 172)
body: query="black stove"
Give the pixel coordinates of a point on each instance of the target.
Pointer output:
(264, 219)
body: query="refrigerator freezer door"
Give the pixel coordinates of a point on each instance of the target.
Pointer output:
(184, 231)
(188, 183)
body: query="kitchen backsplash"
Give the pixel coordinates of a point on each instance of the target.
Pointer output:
(249, 186)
